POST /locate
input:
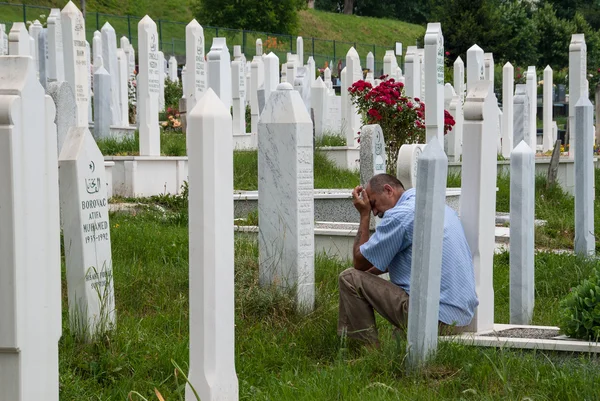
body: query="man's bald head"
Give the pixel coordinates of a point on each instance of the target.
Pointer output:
(384, 191)
(378, 182)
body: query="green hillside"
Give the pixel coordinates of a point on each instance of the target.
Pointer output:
(334, 33)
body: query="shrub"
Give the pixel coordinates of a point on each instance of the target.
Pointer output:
(173, 92)
(580, 314)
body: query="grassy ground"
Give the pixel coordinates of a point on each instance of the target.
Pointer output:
(281, 355)
(171, 144)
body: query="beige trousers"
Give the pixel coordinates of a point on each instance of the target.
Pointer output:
(361, 294)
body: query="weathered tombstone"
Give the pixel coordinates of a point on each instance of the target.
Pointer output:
(475, 67)
(300, 50)
(131, 58)
(532, 115)
(90, 79)
(257, 72)
(327, 78)
(195, 76)
(459, 78)
(548, 105)
(311, 69)
(66, 109)
(478, 194)
(522, 215)
(434, 82)
(86, 228)
(18, 40)
(344, 99)
(238, 80)
(319, 98)
(271, 73)
(173, 69)
(488, 62)
(406, 166)
(578, 86)
(291, 68)
(426, 268)
(219, 70)
(585, 243)
(370, 62)
(161, 81)
(521, 115)
(123, 88)
(212, 351)
(148, 88)
(353, 74)
(302, 85)
(109, 59)
(56, 63)
(30, 310)
(412, 68)
(454, 137)
(42, 45)
(34, 31)
(553, 167)
(372, 153)
(421, 54)
(286, 226)
(389, 64)
(96, 46)
(75, 53)
(102, 111)
(508, 84)
(3, 40)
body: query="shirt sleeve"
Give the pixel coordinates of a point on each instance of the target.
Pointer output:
(389, 239)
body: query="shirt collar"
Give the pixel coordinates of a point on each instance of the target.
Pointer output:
(409, 193)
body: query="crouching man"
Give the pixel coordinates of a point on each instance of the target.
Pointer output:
(389, 249)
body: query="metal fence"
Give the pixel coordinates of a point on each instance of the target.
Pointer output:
(172, 37)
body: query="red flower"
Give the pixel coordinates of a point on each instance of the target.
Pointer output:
(375, 114)
(447, 54)
(409, 105)
(417, 100)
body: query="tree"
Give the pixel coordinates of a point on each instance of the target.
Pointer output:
(348, 6)
(279, 16)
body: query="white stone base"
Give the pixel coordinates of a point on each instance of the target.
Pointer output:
(343, 156)
(109, 181)
(245, 142)
(119, 132)
(560, 343)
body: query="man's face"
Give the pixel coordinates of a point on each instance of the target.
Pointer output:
(383, 201)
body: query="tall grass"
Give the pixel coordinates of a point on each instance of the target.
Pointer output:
(172, 143)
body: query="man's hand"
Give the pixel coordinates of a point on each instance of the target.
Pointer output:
(360, 199)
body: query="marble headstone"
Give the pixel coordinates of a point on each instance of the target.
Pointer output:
(110, 62)
(148, 87)
(219, 70)
(508, 85)
(66, 109)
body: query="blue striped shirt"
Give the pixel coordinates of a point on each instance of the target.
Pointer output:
(390, 248)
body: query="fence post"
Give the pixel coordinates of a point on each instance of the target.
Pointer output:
(24, 14)
(334, 59)
(129, 26)
(243, 41)
(291, 44)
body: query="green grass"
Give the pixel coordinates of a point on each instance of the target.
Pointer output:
(172, 143)
(281, 355)
(330, 139)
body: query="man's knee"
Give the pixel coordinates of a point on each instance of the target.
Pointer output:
(347, 277)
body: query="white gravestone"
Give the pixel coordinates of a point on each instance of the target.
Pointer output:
(578, 86)
(488, 63)
(161, 81)
(131, 57)
(371, 62)
(219, 70)
(56, 62)
(86, 230)
(327, 78)
(459, 78)
(3, 40)
(475, 66)
(286, 191)
(211, 267)
(238, 80)
(389, 64)
(452, 140)
(434, 82)
(406, 166)
(195, 64)
(426, 268)
(353, 74)
(302, 85)
(291, 68)
(259, 47)
(412, 68)
(66, 109)
(521, 115)
(585, 243)
(123, 88)
(42, 45)
(96, 47)
(90, 79)
(34, 31)
(421, 54)
(18, 40)
(102, 111)
(76, 64)
(522, 231)
(271, 73)
(30, 287)
(109, 58)
(148, 88)
(173, 69)
(319, 98)
(344, 99)
(508, 85)
(478, 194)
(300, 50)
(372, 153)
(311, 69)
(257, 77)
(532, 115)
(547, 143)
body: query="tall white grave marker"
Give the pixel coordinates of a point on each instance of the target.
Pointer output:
(434, 83)
(300, 50)
(56, 62)
(478, 194)
(42, 45)
(257, 77)
(18, 40)
(34, 31)
(475, 66)
(110, 62)
(148, 88)
(459, 78)
(488, 62)
(212, 351)
(173, 69)
(195, 64)
(508, 84)
(219, 70)
(161, 81)
(76, 59)
(285, 200)
(66, 109)
(123, 88)
(371, 62)
(585, 243)
(30, 292)
(372, 153)
(3, 40)
(353, 74)
(319, 102)
(578, 86)
(96, 47)
(86, 228)
(238, 80)
(102, 111)
(532, 94)
(271, 74)
(522, 211)
(426, 269)
(521, 115)
(412, 69)
(547, 143)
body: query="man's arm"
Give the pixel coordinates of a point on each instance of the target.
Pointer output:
(362, 236)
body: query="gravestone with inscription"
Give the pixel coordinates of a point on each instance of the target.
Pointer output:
(195, 66)
(148, 88)
(412, 69)
(34, 31)
(123, 88)
(110, 62)
(257, 78)
(459, 78)
(508, 93)
(86, 231)
(102, 110)
(75, 56)
(372, 153)
(285, 195)
(406, 167)
(434, 82)
(238, 80)
(475, 66)
(219, 70)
